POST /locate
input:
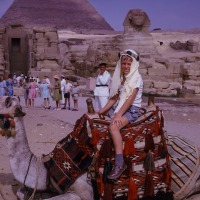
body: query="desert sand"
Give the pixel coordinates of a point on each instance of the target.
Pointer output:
(46, 127)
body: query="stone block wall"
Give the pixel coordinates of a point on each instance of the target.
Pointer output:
(82, 54)
(2, 54)
(45, 46)
(165, 76)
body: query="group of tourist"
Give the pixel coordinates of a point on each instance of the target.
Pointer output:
(62, 89)
(6, 86)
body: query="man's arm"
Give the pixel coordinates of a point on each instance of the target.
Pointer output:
(104, 78)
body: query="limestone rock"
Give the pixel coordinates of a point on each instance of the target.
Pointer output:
(78, 15)
(161, 84)
(48, 64)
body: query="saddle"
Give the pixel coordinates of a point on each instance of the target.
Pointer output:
(145, 152)
(89, 146)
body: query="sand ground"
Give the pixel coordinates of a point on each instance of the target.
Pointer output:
(46, 127)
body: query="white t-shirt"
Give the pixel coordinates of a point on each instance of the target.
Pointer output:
(138, 98)
(67, 87)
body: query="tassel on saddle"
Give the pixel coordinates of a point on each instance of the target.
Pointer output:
(129, 149)
(132, 190)
(149, 185)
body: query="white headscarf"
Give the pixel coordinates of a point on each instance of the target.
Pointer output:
(131, 78)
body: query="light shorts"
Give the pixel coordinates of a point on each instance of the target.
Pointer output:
(131, 114)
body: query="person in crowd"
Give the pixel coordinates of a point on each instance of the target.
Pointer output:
(75, 94)
(57, 97)
(3, 87)
(21, 80)
(26, 91)
(32, 92)
(38, 80)
(124, 103)
(67, 90)
(15, 79)
(63, 82)
(47, 80)
(45, 93)
(18, 80)
(9, 86)
(101, 91)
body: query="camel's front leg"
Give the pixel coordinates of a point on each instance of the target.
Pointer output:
(80, 190)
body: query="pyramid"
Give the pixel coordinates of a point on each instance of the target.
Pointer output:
(75, 15)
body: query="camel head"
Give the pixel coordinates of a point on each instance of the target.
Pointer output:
(9, 108)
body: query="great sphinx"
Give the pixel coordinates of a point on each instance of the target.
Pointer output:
(83, 146)
(136, 33)
(136, 21)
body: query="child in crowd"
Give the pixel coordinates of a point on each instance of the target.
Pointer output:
(75, 94)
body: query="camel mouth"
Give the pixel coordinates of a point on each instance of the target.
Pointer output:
(18, 112)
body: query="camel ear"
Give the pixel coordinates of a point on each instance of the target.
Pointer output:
(18, 112)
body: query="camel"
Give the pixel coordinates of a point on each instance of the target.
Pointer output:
(30, 170)
(26, 167)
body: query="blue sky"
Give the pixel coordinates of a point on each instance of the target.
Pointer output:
(164, 14)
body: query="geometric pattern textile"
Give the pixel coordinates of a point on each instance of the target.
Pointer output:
(135, 138)
(71, 157)
(145, 152)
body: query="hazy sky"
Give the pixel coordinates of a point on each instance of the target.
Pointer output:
(164, 14)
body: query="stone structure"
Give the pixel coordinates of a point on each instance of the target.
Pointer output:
(136, 21)
(29, 35)
(78, 16)
(136, 33)
(2, 54)
(189, 45)
(29, 51)
(48, 50)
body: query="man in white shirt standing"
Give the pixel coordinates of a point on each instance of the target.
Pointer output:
(101, 91)
(62, 82)
(67, 90)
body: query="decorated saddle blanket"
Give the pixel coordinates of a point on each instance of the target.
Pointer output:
(144, 148)
(71, 157)
(145, 153)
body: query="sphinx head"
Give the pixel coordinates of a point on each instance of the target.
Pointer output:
(137, 19)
